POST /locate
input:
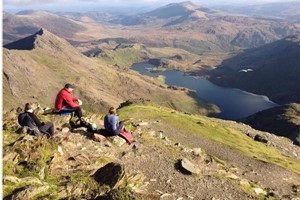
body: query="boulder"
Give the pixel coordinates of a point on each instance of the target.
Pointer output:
(143, 124)
(260, 138)
(110, 174)
(28, 138)
(189, 166)
(65, 130)
(259, 191)
(197, 151)
(119, 141)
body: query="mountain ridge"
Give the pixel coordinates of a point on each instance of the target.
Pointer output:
(40, 73)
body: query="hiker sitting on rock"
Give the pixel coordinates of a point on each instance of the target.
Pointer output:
(29, 119)
(111, 123)
(66, 103)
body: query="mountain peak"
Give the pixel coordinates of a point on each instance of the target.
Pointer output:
(41, 39)
(174, 9)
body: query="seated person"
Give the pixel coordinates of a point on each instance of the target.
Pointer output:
(66, 103)
(111, 123)
(29, 119)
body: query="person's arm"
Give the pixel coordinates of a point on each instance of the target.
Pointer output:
(35, 119)
(75, 98)
(69, 100)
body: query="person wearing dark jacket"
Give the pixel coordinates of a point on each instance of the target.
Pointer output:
(111, 123)
(66, 103)
(29, 119)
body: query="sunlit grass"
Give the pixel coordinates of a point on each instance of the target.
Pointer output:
(213, 131)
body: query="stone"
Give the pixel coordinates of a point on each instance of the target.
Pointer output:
(197, 151)
(260, 138)
(200, 123)
(110, 174)
(259, 191)
(152, 133)
(143, 124)
(11, 157)
(65, 130)
(59, 149)
(189, 166)
(160, 135)
(232, 176)
(119, 141)
(177, 144)
(12, 179)
(99, 138)
(165, 195)
(28, 138)
(245, 182)
(28, 192)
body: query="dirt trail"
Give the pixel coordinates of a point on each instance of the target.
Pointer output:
(266, 175)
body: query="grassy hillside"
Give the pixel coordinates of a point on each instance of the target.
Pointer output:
(74, 164)
(282, 121)
(275, 71)
(38, 74)
(211, 130)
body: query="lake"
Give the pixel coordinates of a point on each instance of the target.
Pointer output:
(233, 103)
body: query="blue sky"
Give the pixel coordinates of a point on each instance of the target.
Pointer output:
(62, 5)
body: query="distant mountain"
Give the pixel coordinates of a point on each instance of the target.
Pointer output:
(26, 23)
(173, 10)
(289, 11)
(14, 27)
(191, 27)
(37, 74)
(272, 70)
(282, 121)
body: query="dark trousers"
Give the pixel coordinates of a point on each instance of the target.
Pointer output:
(77, 111)
(47, 128)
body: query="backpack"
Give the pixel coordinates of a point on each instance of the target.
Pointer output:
(127, 135)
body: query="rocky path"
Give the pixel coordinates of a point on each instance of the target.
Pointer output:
(271, 177)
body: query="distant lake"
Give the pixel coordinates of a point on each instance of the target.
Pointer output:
(234, 103)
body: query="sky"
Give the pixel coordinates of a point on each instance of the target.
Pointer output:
(72, 5)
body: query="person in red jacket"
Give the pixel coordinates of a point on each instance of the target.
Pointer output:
(66, 103)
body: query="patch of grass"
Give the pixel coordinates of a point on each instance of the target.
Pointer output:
(213, 131)
(125, 56)
(105, 160)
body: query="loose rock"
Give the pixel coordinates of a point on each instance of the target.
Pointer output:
(189, 166)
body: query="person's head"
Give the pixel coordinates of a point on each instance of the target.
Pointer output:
(112, 110)
(69, 87)
(28, 107)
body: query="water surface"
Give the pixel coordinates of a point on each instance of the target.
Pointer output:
(234, 103)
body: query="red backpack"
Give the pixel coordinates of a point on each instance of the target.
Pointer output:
(127, 135)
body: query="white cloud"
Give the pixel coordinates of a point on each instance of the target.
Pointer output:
(44, 2)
